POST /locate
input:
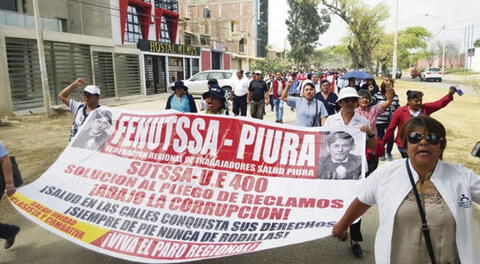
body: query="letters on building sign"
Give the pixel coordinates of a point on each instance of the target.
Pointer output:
(162, 47)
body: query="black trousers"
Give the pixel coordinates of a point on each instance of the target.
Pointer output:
(381, 128)
(240, 105)
(7, 231)
(355, 229)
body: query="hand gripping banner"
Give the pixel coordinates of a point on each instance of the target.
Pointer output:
(171, 187)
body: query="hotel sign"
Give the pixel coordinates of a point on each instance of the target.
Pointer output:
(164, 47)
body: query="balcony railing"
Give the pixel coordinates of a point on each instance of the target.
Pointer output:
(22, 20)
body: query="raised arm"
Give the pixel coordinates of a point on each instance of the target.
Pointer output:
(389, 92)
(64, 95)
(285, 91)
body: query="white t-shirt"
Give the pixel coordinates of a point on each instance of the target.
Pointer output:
(241, 86)
(337, 120)
(80, 114)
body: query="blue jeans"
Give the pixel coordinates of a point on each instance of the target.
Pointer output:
(278, 103)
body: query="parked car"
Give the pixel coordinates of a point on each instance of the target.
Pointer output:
(434, 74)
(415, 73)
(225, 78)
(398, 74)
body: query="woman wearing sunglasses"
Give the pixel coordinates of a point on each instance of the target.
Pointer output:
(445, 193)
(414, 108)
(348, 101)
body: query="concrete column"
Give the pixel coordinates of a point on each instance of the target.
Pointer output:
(141, 64)
(6, 107)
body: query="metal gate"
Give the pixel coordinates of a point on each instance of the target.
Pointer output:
(127, 72)
(24, 73)
(103, 73)
(155, 74)
(66, 62)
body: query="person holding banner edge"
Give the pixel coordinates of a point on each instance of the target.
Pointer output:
(91, 98)
(420, 194)
(7, 232)
(348, 101)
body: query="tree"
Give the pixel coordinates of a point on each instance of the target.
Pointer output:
(332, 57)
(305, 24)
(274, 64)
(364, 25)
(476, 44)
(409, 40)
(412, 38)
(451, 51)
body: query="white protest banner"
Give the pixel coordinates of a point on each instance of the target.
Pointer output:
(172, 187)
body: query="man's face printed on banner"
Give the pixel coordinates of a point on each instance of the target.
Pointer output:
(99, 126)
(340, 149)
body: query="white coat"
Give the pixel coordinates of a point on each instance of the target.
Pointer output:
(389, 185)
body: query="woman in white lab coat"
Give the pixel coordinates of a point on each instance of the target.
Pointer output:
(447, 192)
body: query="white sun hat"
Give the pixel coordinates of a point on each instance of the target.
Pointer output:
(347, 93)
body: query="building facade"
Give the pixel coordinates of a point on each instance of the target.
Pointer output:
(126, 47)
(229, 29)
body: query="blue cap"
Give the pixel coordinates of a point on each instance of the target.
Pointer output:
(212, 81)
(216, 92)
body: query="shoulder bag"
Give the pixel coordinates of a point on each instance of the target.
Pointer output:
(425, 228)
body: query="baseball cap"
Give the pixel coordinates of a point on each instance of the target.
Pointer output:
(258, 72)
(91, 89)
(212, 81)
(216, 92)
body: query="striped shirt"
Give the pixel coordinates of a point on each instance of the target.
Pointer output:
(385, 117)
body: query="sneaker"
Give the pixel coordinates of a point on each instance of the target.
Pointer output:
(382, 158)
(389, 157)
(9, 241)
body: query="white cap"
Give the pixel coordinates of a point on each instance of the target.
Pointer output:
(92, 89)
(347, 92)
(258, 72)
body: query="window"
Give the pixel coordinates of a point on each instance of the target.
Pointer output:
(132, 32)
(241, 45)
(188, 40)
(171, 5)
(164, 33)
(232, 26)
(201, 76)
(205, 41)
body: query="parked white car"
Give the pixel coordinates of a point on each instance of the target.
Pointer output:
(434, 74)
(225, 78)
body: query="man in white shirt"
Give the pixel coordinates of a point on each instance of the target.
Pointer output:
(240, 91)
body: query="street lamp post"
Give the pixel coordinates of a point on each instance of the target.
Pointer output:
(395, 43)
(443, 40)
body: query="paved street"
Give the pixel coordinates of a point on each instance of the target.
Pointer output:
(36, 245)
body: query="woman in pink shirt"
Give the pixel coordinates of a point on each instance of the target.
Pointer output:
(370, 112)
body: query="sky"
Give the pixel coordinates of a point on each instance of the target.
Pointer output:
(431, 14)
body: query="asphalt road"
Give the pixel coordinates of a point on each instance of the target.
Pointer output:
(444, 84)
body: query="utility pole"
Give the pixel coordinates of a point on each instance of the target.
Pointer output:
(443, 50)
(41, 59)
(395, 43)
(465, 50)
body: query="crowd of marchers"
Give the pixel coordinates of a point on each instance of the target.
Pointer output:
(425, 204)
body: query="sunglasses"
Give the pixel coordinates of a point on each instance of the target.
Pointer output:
(350, 100)
(432, 138)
